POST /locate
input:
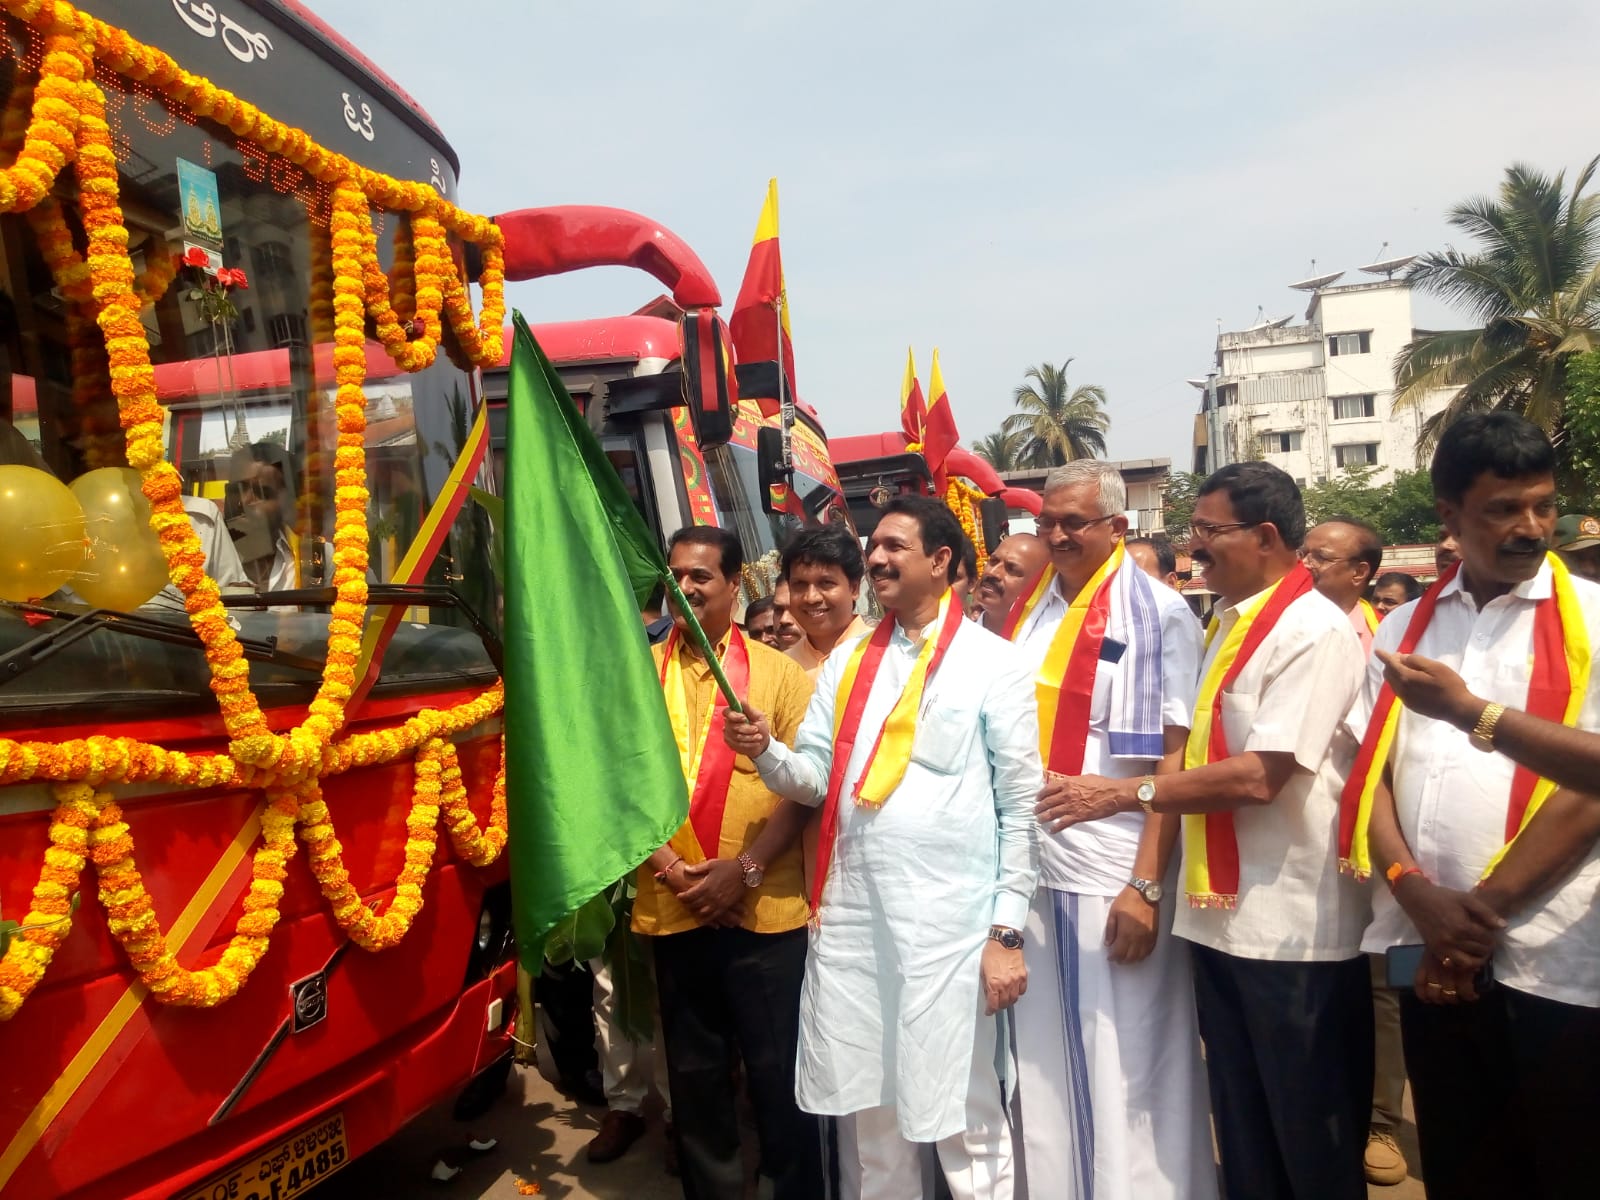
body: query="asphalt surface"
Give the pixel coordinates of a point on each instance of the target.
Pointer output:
(541, 1136)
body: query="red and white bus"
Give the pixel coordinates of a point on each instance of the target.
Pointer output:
(327, 1049)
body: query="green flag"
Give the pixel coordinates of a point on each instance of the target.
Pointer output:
(593, 779)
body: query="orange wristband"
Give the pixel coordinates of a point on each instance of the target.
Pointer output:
(1396, 873)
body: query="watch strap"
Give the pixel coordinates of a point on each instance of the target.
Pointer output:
(1482, 735)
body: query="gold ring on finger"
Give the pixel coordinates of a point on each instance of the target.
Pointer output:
(1445, 960)
(1449, 991)
(1435, 986)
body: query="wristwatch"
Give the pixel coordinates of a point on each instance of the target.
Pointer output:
(1009, 938)
(1150, 889)
(753, 874)
(1147, 793)
(1482, 735)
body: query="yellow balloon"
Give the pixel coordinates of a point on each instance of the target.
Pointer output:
(42, 544)
(124, 566)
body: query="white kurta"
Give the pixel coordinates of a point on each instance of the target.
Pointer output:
(890, 1007)
(1111, 1088)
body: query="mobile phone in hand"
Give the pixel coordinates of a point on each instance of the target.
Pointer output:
(1400, 965)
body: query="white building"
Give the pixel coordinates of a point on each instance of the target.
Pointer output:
(1146, 482)
(1316, 398)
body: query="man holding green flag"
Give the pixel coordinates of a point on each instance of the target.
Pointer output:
(597, 769)
(728, 928)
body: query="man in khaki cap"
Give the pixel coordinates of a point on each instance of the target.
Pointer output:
(1577, 541)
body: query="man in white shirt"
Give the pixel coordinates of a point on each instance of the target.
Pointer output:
(222, 560)
(1283, 993)
(1343, 556)
(1110, 1084)
(928, 860)
(1504, 1074)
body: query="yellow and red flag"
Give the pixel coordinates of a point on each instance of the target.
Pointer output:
(939, 435)
(913, 411)
(760, 322)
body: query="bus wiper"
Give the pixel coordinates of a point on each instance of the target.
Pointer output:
(76, 625)
(422, 595)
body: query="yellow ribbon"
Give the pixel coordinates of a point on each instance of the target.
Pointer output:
(890, 757)
(1196, 751)
(1047, 686)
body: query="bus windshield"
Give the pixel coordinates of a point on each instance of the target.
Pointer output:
(230, 250)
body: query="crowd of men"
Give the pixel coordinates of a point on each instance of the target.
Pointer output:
(1081, 898)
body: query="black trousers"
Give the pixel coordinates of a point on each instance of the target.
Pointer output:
(724, 990)
(1507, 1093)
(1289, 1059)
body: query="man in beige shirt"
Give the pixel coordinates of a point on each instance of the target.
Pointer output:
(823, 568)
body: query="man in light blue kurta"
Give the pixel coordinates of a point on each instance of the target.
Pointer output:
(908, 961)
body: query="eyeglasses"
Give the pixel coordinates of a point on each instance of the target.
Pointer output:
(1205, 530)
(1321, 557)
(1048, 525)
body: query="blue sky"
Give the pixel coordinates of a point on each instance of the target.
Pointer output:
(1014, 183)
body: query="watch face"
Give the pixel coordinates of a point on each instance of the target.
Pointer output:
(1146, 792)
(1153, 892)
(753, 876)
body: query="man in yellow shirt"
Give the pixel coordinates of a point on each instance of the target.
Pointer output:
(728, 931)
(823, 568)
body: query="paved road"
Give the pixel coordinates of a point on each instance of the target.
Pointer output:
(542, 1136)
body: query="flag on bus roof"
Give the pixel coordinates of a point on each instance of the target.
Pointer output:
(594, 784)
(939, 435)
(763, 304)
(912, 409)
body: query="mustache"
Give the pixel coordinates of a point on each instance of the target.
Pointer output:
(1200, 558)
(884, 573)
(1525, 546)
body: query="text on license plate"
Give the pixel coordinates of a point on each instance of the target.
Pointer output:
(281, 1172)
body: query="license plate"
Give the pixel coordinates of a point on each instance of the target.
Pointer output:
(281, 1172)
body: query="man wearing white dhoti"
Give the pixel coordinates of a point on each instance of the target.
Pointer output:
(1111, 1087)
(921, 744)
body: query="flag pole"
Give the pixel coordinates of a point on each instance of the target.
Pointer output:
(785, 398)
(701, 642)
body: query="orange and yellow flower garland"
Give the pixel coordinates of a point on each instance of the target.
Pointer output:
(87, 820)
(67, 124)
(962, 498)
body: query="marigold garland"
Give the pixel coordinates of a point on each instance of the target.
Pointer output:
(962, 499)
(425, 306)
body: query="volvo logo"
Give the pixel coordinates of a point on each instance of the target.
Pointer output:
(310, 999)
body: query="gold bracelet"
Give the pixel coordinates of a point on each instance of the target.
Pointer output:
(1482, 735)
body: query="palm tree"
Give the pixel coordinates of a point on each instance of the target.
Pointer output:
(1534, 282)
(1000, 449)
(1057, 422)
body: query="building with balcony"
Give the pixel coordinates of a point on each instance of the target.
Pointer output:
(1316, 398)
(1146, 481)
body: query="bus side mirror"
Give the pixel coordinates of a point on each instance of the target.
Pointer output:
(709, 386)
(769, 465)
(992, 512)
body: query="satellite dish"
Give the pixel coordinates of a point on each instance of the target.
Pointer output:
(1280, 322)
(1197, 383)
(1389, 266)
(1316, 281)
